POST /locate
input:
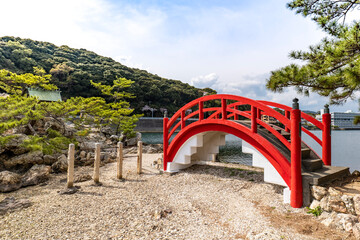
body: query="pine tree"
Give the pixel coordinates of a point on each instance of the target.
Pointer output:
(332, 67)
(19, 110)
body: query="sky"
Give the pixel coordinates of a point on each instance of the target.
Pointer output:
(229, 45)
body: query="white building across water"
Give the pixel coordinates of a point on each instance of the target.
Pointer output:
(342, 120)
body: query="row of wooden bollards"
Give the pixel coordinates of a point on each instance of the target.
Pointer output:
(96, 176)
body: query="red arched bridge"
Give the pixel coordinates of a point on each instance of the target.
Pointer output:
(279, 143)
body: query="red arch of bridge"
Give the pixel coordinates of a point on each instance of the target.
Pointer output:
(289, 171)
(280, 163)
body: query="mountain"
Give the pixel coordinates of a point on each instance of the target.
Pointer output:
(72, 69)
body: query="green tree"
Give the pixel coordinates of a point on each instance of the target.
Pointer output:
(332, 67)
(118, 111)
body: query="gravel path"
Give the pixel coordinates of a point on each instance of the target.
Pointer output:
(220, 201)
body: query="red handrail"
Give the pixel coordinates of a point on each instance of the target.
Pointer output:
(305, 116)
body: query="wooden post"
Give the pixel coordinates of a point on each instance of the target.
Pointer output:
(97, 163)
(139, 157)
(70, 172)
(119, 159)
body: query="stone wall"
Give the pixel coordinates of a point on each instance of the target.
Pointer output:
(339, 210)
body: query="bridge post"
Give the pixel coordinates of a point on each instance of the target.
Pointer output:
(287, 115)
(201, 110)
(165, 140)
(253, 119)
(223, 105)
(326, 136)
(182, 119)
(296, 198)
(236, 117)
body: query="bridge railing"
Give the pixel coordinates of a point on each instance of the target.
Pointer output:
(223, 110)
(324, 126)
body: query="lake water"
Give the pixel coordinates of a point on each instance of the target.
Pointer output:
(345, 148)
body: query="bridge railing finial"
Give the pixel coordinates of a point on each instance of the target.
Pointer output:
(295, 104)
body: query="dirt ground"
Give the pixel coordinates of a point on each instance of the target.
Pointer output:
(216, 201)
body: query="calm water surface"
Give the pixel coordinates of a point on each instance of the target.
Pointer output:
(345, 148)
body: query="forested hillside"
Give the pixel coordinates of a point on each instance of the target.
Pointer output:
(72, 69)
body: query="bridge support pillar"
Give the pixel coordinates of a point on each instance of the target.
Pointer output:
(296, 198)
(326, 137)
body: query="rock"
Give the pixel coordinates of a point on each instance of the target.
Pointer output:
(356, 173)
(340, 221)
(87, 145)
(149, 149)
(82, 178)
(89, 155)
(336, 204)
(346, 221)
(107, 131)
(68, 191)
(82, 154)
(324, 204)
(39, 124)
(133, 141)
(27, 159)
(36, 174)
(315, 203)
(14, 145)
(318, 192)
(60, 165)
(114, 138)
(9, 181)
(10, 204)
(356, 200)
(333, 192)
(104, 156)
(349, 203)
(49, 159)
(330, 220)
(53, 124)
(356, 230)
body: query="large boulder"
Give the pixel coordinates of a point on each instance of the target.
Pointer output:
(9, 181)
(60, 165)
(25, 160)
(14, 145)
(37, 174)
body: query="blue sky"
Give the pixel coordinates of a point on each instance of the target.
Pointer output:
(230, 46)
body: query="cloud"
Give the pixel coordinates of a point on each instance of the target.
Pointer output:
(241, 41)
(205, 81)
